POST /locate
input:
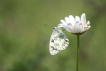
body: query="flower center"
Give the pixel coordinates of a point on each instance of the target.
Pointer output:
(74, 26)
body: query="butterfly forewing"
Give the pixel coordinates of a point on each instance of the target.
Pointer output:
(58, 41)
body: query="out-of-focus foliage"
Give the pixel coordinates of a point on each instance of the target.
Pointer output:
(24, 41)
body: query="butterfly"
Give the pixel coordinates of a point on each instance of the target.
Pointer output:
(58, 41)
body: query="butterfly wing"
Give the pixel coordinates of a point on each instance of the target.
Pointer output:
(58, 41)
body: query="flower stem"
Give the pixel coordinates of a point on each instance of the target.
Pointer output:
(77, 52)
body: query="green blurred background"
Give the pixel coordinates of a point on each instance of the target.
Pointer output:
(24, 41)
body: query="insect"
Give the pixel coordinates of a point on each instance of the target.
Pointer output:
(58, 41)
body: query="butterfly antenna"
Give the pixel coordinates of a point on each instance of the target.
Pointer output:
(47, 25)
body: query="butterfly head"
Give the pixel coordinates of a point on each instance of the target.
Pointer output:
(54, 28)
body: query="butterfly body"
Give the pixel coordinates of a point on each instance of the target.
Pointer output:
(58, 41)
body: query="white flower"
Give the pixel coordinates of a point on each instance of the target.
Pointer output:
(75, 25)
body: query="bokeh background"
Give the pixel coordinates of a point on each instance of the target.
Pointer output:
(24, 40)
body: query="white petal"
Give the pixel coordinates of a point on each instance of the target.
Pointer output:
(88, 22)
(68, 28)
(83, 18)
(78, 27)
(72, 20)
(81, 28)
(77, 18)
(63, 22)
(89, 27)
(60, 25)
(67, 20)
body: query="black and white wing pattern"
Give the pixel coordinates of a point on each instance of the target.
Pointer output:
(58, 41)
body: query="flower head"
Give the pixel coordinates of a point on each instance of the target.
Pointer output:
(75, 25)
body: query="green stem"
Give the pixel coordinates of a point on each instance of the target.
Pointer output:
(77, 52)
